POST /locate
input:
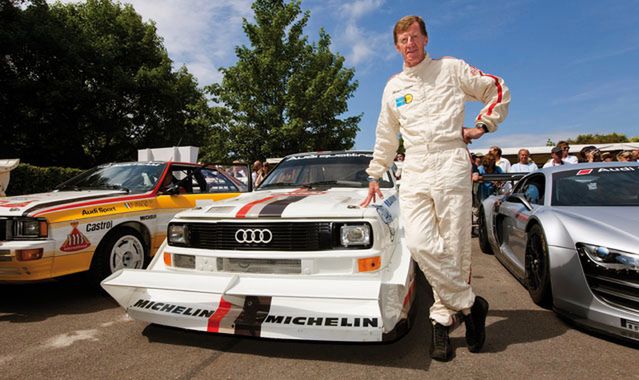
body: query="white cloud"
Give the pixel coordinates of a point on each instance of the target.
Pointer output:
(200, 34)
(359, 43)
(359, 8)
(525, 140)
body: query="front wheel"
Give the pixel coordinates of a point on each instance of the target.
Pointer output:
(484, 244)
(121, 249)
(538, 268)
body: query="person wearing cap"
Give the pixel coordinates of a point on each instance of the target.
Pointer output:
(556, 155)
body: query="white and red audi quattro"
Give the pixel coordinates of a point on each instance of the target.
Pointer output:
(110, 217)
(296, 259)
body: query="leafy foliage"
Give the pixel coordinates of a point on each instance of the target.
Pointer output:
(89, 83)
(284, 95)
(599, 139)
(29, 179)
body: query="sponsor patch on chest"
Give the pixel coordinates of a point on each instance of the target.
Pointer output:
(403, 100)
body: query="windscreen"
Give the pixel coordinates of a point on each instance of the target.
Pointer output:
(131, 176)
(323, 170)
(608, 186)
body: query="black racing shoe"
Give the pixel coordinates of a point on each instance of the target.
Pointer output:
(476, 325)
(440, 348)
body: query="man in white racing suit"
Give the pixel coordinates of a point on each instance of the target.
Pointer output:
(425, 103)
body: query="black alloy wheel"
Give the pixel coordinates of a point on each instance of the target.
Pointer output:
(537, 267)
(484, 244)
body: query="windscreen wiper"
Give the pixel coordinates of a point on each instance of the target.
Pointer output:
(279, 184)
(311, 185)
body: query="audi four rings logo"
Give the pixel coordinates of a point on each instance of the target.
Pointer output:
(253, 236)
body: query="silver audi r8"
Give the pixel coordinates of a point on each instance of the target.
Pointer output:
(570, 235)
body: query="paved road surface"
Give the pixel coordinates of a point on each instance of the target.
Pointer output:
(65, 330)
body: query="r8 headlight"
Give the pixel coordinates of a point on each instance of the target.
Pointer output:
(355, 235)
(178, 234)
(30, 228)
(608, 257)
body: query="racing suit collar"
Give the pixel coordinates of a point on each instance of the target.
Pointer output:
(418, 67)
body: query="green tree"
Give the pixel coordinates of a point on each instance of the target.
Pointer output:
(599, 139)
(88, 83)
(283, 95)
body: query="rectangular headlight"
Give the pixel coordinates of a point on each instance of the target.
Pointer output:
(355, 235)
(177, 234)
(30, 228)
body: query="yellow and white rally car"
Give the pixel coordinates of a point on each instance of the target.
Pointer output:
(110, 217)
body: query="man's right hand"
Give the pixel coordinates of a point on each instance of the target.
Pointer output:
(373, 192)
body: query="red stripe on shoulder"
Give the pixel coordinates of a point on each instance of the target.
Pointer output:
(499, 94)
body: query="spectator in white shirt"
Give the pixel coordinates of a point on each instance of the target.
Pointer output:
(556, 154)
(503, 163)
(565, 148)
(524, 165)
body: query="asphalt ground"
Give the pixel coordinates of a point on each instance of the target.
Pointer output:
(66, 329)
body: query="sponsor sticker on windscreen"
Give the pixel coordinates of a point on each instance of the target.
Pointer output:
(584, 172)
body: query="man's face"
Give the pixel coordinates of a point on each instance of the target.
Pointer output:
(411, 44)
(564, 151)
(523, 157)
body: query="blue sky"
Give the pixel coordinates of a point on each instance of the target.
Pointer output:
(571, 65)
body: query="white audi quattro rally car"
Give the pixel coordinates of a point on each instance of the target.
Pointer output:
(297, 258)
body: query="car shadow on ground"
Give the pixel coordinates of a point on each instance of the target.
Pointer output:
(409, 351)
(25, 303)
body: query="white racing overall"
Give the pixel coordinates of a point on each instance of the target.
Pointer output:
(425, 103)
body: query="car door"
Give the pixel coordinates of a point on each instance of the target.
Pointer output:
(514, 212)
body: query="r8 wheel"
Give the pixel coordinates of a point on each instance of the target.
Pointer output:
(537, 267)
(484, 244)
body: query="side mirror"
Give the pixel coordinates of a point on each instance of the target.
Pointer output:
(519, 198)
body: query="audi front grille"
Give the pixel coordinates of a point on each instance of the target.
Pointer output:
(278, 236)
(619, 288)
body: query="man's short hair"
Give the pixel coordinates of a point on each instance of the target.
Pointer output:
(496, 149)
(405, 22)
(523, 150)
(562, 144)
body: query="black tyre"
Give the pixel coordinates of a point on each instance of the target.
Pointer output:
(484, 244)
(537, 267)
(123, 248)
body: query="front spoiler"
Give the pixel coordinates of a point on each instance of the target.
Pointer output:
(292, 307)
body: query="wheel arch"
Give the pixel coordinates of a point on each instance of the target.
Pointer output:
(137, 227)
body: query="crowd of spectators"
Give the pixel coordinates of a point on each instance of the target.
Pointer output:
(494, 163)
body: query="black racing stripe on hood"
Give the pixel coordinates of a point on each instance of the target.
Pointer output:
(255, 311)
(275, 209)
(61, 202)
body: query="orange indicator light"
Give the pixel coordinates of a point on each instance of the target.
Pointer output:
(369, 264)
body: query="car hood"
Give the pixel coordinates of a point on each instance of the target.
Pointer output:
(288, 203)
(616, 227)
(28, 204)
